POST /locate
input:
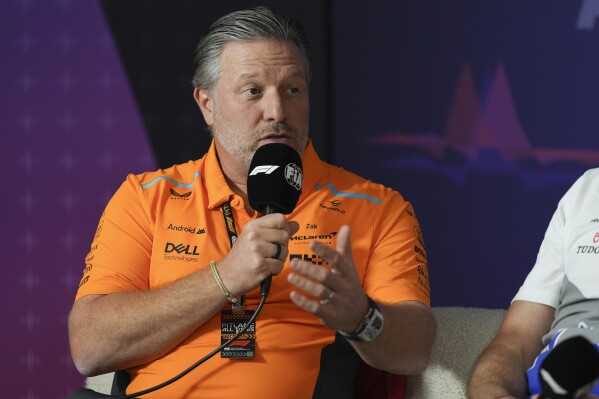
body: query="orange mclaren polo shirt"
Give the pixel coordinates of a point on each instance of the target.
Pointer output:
(164, 225)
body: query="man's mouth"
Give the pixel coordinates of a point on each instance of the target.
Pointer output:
(276, 136)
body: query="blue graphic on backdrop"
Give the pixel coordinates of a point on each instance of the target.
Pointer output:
(485, 135)
(589, 12)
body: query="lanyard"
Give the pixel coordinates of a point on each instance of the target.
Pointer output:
(245, 346)
(232, 232)
(229, 222)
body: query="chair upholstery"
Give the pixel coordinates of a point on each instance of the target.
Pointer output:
(462, 334)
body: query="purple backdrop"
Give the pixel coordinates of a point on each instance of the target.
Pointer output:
(70, 133)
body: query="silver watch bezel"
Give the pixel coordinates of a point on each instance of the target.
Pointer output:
(370, 327)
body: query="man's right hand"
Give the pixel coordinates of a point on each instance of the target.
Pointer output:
(251, 258)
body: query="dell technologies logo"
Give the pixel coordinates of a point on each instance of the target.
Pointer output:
(181, 249)
(182, 253)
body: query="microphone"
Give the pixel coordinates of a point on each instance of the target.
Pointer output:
(570, 370)
(274, 183)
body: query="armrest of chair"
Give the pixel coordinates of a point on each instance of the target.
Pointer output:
(462, 334)
(100, 383)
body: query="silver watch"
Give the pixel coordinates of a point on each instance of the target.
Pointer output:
(370, 327)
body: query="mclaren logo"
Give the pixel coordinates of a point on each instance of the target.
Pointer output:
(183, 196)
(314, 237)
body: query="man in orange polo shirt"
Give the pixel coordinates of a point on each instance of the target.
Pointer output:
(167, 279)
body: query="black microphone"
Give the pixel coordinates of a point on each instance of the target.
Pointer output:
(274, 183)
(570, 370)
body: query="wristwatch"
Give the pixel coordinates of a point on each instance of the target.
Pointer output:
(370, 327)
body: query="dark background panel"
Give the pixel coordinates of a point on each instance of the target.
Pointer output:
(156, 41)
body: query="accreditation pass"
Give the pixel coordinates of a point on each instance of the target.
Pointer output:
(244, 346)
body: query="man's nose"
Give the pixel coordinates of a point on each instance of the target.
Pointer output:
(274, 107)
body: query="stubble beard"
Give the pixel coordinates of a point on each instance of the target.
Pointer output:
(242, 145)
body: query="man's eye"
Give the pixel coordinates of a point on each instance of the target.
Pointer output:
(294, 90)
(253, 91)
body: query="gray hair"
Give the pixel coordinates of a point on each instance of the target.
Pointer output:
(259, 23)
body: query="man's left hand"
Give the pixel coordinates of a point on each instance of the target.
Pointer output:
(333, 294)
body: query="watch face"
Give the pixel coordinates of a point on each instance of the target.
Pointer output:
(377, 323)
(374, 326)
(371, 326)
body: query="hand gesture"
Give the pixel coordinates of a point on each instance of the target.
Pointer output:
(333, 294)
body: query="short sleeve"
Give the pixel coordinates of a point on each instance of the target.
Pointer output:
(546, 279)
(397, 270)
(543, 283)
(119, 258)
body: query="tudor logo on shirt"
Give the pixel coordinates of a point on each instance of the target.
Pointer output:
(588, 249)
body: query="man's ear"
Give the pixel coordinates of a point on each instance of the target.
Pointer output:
(205, 101)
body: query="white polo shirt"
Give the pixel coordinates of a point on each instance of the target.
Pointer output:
(566, 273)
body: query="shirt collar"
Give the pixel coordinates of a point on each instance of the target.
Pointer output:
(216, 186)
(219, 191)
(313, 169)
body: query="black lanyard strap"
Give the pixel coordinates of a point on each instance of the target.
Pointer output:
(232, 231)
(229, 222)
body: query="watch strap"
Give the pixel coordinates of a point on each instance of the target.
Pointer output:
(371, 325)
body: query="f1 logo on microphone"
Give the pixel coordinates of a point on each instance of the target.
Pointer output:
(266, 169)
